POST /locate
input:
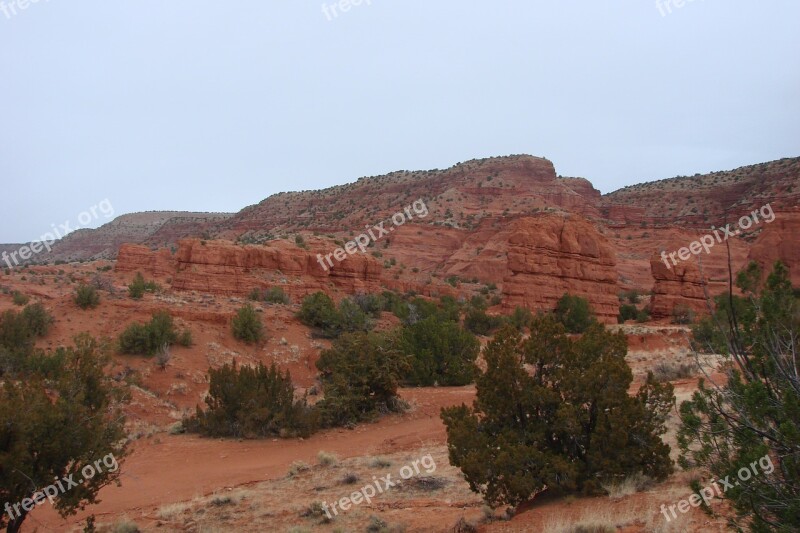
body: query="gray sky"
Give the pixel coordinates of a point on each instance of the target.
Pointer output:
(212, 106)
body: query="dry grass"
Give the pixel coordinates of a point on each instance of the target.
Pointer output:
(626, 487)
(594, 517)
(327, 459)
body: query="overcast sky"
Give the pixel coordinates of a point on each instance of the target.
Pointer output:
(212, 106)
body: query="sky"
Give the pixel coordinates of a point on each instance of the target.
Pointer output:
(202, 105)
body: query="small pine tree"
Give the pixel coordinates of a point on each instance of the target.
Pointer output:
(247, 326)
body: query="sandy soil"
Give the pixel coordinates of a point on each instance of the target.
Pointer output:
(185, 483)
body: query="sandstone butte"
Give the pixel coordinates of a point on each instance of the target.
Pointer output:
(509, 221)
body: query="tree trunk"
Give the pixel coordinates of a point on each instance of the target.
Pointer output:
(16, 524)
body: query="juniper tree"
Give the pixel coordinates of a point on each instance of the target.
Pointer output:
(554, 413)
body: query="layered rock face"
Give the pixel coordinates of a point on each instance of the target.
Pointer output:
(221, 267)
(552, 254)
(679, 286)
(780, 240)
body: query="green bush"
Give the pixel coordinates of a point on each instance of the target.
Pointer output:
(318, 311)
(252, 402)
(360, 375)
(568, 427)
(574, 312)
(20, 299)
(440, 351)
(643, 316)
(147, 339)
(520, 318)
(627, 312)
(139, 286)
(372, 304)
(37, 319)
(86, 297)
(247, 326)
(276, 295)
(479, 323)
(185, 338)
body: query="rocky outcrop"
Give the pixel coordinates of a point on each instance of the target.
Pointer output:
(549, 255)
(682, 285)
(222, 267)
(780, 241)
(138, 258)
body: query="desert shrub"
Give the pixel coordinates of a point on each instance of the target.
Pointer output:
(326, 458)
(440, 352)
(255, 295)
(574, 312)
(147, 339)
(252, 402)
(20, 299)
(18, 331)
(360, 375)
(478, 302)
(139, 286)
(163, 356)
(479, 323)
(86, 297)
(319, 311)
(520, 318)
(247, 326)
(276, 295)
(372, 304)
(185, 338)
(627, 312)
(569, 426)
(632, 296)
(682, 314)
(670, 371)
(37, 319)
(643, 315)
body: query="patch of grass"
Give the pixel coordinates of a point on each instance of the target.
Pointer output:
(172, 511)
(298, 467)
(327, 459)
(125, 526)
(380, 462)
(630, 485)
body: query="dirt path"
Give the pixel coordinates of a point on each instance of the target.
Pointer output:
(170, 468)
